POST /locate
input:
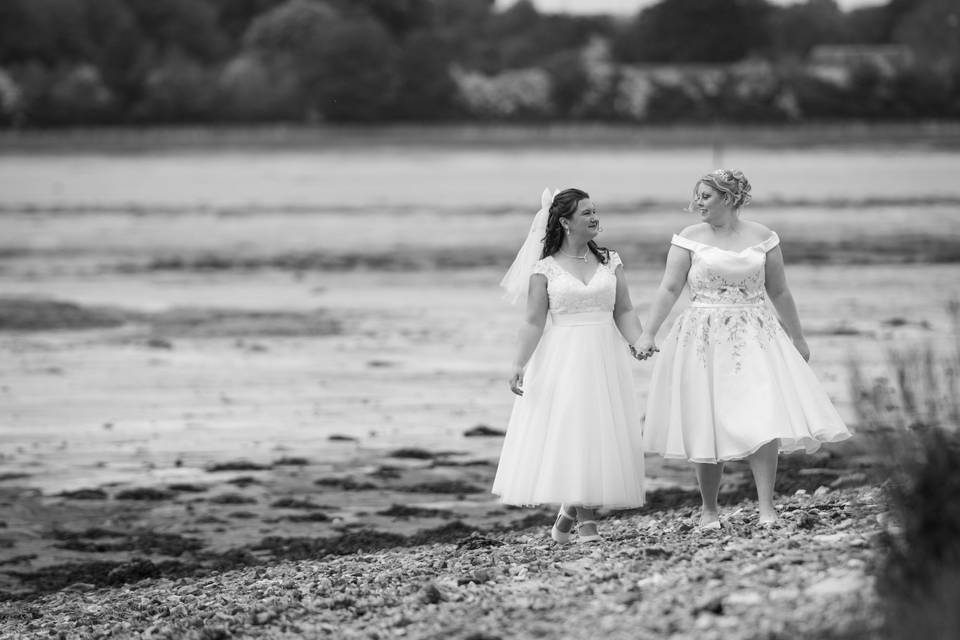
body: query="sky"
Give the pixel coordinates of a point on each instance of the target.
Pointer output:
(631, 6)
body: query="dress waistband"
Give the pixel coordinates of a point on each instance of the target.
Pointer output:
(729, 305)
(583, 317)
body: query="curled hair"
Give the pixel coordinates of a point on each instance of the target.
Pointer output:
(733, 186)
(564, 205)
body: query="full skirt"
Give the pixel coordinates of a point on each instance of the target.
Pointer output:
(575, 435)
(728, 381)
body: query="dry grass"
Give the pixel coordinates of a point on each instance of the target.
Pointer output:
(915, 415)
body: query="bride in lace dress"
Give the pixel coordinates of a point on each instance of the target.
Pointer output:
(574, 434)
(731, 382)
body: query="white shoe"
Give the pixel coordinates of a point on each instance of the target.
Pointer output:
(590, 537)
(562, 537)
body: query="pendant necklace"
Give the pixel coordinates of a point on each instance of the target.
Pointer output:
(570, 255)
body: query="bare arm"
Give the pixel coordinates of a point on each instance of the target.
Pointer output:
(671, 285)
(531, 330)
(782, 299)
(623, 313)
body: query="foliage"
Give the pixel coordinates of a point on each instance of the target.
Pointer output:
(915, 414)
(516, 94)
(920, 577)
(797, 28)
(932, 30)
(116, 61)
(178, 88)
(695, 31)
(425, 88)
(353, 76)
(10, 98)
(251, 89)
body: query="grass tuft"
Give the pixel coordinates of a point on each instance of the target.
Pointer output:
(914, 413)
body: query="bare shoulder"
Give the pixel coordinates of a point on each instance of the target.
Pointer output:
(694, 231)
(755, 230)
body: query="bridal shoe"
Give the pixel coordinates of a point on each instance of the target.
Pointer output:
(562, 537)
(589, 537)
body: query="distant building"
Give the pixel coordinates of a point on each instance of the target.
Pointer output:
(836, 62)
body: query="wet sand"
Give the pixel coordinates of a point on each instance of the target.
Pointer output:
(148, 341)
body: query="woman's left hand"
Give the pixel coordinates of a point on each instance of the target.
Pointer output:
(644, 347)
(516, 381)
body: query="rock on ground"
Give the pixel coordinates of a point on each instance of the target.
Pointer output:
(655, 575)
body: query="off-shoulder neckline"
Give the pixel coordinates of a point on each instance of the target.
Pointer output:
(771, 241)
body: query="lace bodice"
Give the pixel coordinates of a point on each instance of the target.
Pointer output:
(567, 294)
(722, 277)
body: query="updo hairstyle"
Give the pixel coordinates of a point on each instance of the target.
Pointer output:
(733, 186)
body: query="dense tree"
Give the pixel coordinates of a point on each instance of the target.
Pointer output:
(797, 28)
(569, 82)
(469, 14)
(425, 90)
(707, 31)
(295, 28)
(354, 75)
(235, 16)
(345, 63)
(251, 89)
(932, 31)
(189, 26)
(44, 31)
(399, 17)
(91, 61)
(177, 89)
(523, 45)
(120, 53)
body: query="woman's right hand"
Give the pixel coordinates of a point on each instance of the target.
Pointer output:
(516, 381)
(644, 347)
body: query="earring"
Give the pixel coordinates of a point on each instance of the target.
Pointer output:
(567, 230)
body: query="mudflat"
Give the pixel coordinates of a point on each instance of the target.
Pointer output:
(212, 359)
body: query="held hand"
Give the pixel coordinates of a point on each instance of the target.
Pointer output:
(516, 381)
(644, 347)
(801, 345)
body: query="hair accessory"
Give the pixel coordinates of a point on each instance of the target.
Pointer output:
(516, 282)
(733, 184)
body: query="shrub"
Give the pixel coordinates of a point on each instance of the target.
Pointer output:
(65, 94)
(425, 88)
(250, 88)
(178, 90)
(522, 93)
(632, 97)
(11, 98)
(79, 95)
(915, 413)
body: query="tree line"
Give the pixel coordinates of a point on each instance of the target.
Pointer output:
(67, 62)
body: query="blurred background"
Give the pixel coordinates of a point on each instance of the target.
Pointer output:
(77, 62)
(249, 249)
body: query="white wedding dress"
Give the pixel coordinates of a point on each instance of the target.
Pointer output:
(728, 379)
(574, 436)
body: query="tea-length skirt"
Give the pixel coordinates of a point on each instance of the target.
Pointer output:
(575, 435)
(727, 381)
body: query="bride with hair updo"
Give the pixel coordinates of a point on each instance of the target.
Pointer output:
(574, 433)
(731, 382)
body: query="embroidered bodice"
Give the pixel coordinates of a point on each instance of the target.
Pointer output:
(721, 277)
(567, 294)
(727, 295)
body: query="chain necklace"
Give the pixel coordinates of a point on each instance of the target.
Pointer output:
(575, 257)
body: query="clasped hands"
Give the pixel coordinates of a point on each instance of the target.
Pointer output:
(643, 348)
